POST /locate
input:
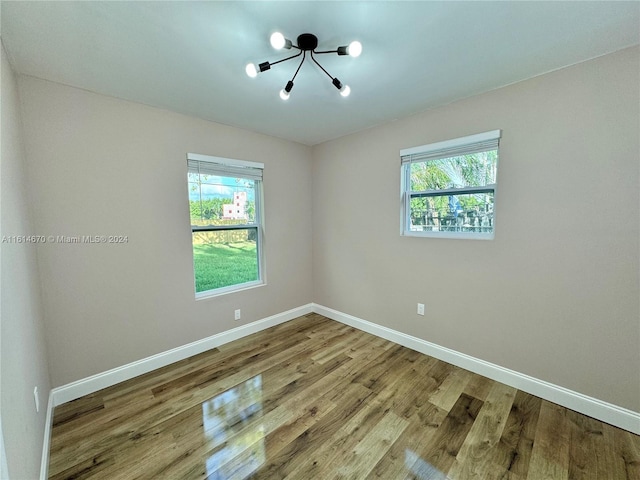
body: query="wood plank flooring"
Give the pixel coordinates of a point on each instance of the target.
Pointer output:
(315, 399)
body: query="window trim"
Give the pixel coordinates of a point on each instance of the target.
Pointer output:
(469, 144)
(236, 169)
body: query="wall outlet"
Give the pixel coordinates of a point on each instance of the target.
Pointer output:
(237, 314)
(421, 309)
(36, 398)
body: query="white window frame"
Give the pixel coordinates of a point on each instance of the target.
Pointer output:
(228, 167)
(449, 148)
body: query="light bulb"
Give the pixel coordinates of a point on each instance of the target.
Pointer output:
(355, 49)
(284, 95)
(345, 91)
(277, 40)
(251, 70)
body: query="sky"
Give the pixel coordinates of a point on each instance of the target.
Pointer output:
(219, 187)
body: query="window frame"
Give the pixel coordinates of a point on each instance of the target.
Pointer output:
(232, 168)
(477, 143)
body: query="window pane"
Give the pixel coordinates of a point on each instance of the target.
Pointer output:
(452, 213)
(215, 200)
(475, 170)
(224, 258)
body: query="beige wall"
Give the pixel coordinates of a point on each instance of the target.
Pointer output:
(23, 364)
(555, 295)
(102, 166)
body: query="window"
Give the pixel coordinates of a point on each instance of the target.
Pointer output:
(448, 188)
(225, 203)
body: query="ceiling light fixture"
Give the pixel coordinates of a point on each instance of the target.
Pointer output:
(307, 42)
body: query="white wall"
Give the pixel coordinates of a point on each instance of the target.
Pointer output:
(555, 295)
(23, 364)
(103, 166)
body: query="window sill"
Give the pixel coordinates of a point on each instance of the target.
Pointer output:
(231, 289)
(451, 235)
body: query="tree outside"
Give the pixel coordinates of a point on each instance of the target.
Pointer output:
(462, 207)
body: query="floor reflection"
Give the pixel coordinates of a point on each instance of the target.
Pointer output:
(421, 469)
(236, 439)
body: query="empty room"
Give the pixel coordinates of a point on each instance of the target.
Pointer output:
(318, 240)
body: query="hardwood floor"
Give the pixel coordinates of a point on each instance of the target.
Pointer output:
(315, 399)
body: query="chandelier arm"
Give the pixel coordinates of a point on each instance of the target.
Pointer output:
(285, 59)
(316, 62)
(301, 62)
(326, 51)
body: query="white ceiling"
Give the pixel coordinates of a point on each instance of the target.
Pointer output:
(189, 57)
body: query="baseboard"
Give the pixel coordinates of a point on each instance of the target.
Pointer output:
(46, 444)
(4, 468)
(92, 384)
(606, 412)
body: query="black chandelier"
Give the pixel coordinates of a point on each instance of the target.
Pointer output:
(307, 42)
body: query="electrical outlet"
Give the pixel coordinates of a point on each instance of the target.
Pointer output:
(36, 398)
(421, 309)
(237, 314)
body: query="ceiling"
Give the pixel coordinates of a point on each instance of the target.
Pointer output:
(189, 57)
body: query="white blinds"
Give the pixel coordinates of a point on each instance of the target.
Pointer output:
(224, 167)
(481, 142)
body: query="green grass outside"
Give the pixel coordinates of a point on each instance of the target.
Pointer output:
(221, 265)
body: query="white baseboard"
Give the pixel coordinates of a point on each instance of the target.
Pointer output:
(92, 384)
(85, 386)
(46, 444)
(606, 412)
(4, 468)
